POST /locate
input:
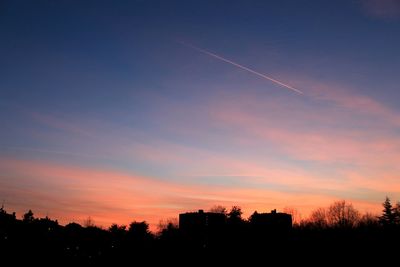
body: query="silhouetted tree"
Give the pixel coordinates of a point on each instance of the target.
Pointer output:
(140, 232)
(28, 217)
(168, 231)
(341, 214)
(48, 223)
(252, 216)
(73, 226)
(170, 223)
(235, 215)
(139, 227)
(368, 220)
(6, 218)
(318, 218)
(396, 213)
(296, 216)
(74, 230)
(218, 209)
(89, 222)
(387, 217)
(117, 229)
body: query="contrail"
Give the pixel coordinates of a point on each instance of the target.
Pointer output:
(241, 66)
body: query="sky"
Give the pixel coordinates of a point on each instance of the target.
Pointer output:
(141, 110)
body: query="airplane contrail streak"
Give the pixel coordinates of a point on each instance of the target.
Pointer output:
(241, 66)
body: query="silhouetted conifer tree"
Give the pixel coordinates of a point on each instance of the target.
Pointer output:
(396, 213)
(387, 217)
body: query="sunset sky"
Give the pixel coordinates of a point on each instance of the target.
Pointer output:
(140, 110)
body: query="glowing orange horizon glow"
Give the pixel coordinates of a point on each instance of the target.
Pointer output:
(114, 197)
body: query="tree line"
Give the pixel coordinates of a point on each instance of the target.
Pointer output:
(326, 230)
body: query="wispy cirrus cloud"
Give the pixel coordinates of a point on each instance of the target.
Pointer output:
(59, 123)
(346, 99)
(331, 124)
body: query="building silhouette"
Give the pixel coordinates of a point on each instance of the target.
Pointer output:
(201, 222)
(201, 228)
(272, 221)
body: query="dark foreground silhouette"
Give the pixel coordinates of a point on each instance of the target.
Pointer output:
(338, 235)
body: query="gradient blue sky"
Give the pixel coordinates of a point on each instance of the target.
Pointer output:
(104, 112)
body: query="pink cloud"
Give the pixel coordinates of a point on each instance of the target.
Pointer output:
(327, 145)
(329, 125)
(382, 9)
(345, 98)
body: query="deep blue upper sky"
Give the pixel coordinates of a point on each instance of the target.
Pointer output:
(93, 49)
